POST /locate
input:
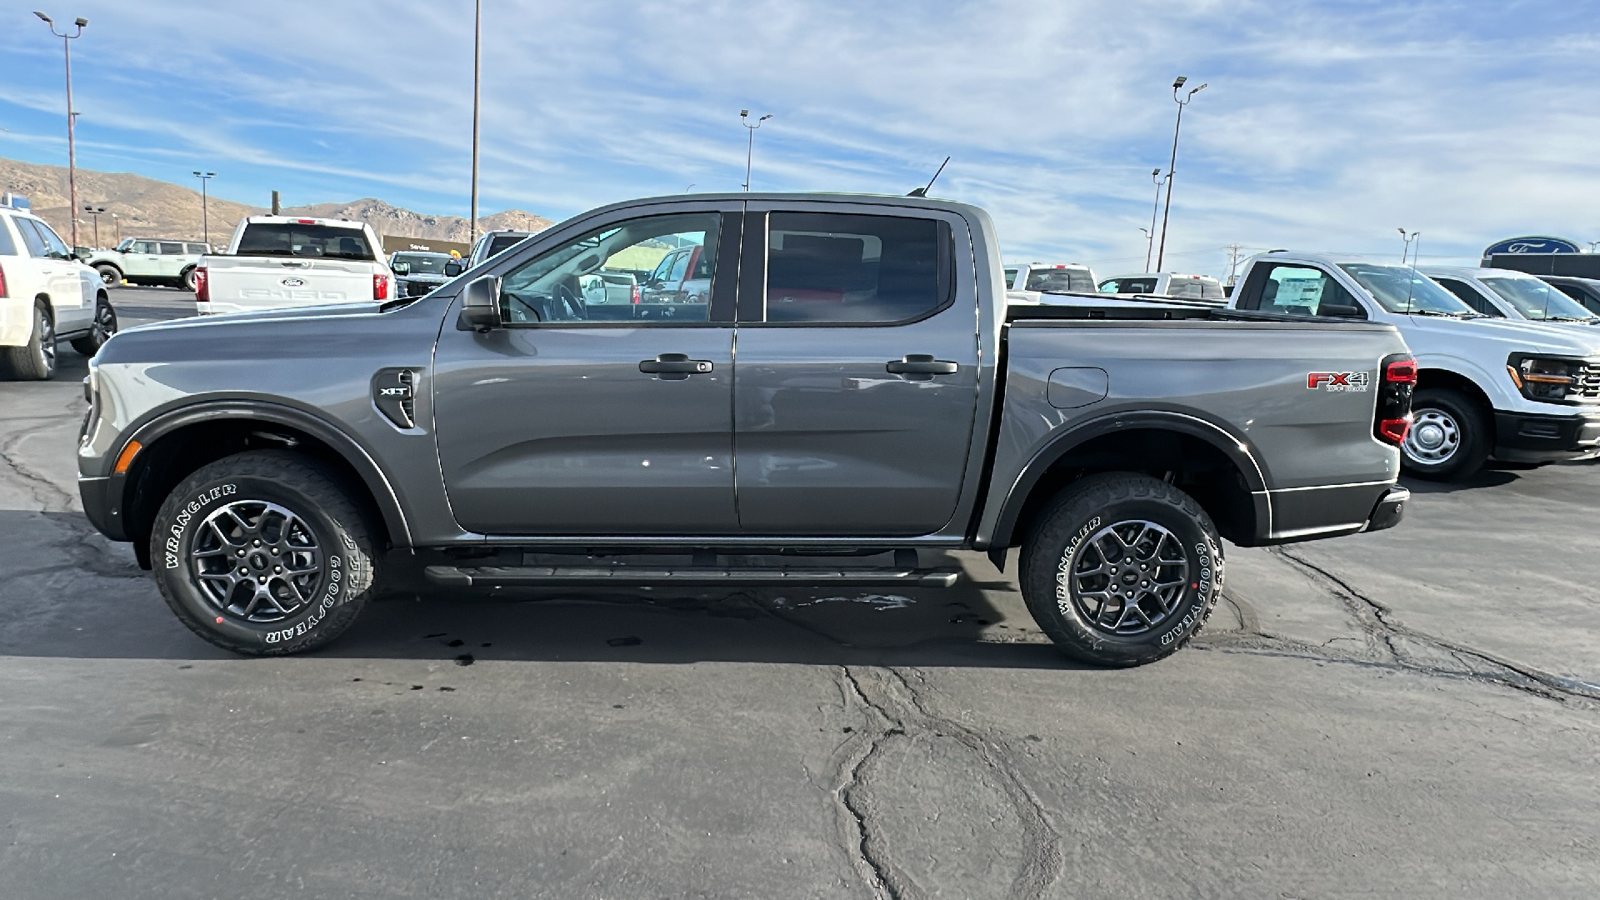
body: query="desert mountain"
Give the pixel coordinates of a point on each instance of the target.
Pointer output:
(146, 207)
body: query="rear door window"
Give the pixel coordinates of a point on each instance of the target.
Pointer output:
(846, 268)
(194, 248)
(171, 248)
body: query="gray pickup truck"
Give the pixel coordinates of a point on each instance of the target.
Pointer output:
(852, 397)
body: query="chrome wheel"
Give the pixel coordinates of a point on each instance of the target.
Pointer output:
(257, 561)
(1127, 578)
(105, 322)
(1435, 436)
(47, 342)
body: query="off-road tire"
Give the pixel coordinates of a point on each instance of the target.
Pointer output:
(239, 485)
(1474, 435)
(110, 275)
(1062, 541)
(186, 279)
(105, 325)
(35, 360)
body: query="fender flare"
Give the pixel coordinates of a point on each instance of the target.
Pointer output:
(352, 452)
(1235, 449)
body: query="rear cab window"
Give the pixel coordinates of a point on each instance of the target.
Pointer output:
(1128, 286)
(304, 241)
(1058, 280)
(856, 269)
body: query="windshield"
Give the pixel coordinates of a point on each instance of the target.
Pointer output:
(422, 263)
(306, 241)
(1402, 289)
(1128, 286)
(1060, 280)
(1537, 300)
(126, 243)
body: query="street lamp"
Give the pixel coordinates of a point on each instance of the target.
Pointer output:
(477, 68)
(205, 219)
(116, 222)
(749, 154)
(1172, 167)
(1408, 238)
(72, 153)
(95, 211)
(1150, 245)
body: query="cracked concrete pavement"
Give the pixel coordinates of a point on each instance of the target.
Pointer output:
(1410, 714)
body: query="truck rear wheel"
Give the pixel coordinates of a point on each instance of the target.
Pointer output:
(1449, 437)
(264, 553)
(35, 360)
(1121, 569)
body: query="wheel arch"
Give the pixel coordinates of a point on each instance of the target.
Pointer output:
(1434, 379)
(1153, 443)
(177, 443)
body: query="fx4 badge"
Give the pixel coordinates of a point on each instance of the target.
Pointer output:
(1339, 381)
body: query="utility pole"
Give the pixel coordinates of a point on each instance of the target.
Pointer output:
(72, 151)
(205, 216)
(477, 70)
(1172, 167)
(1233, 261)
(750, 151)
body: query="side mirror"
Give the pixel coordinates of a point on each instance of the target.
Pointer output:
(480, 305)
(82, 252)
(1340, 310)
(401, 268)
(452, 268)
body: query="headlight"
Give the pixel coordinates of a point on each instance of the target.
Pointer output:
(1547, 379)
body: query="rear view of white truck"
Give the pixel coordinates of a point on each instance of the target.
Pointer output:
(282, 261)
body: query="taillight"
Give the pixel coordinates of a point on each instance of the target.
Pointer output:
(380, 287)
(636, 295)
(1393, 417)
(202, 286)
(3, 283)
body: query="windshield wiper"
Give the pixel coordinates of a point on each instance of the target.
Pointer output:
(1566, 319)
(1435, 312)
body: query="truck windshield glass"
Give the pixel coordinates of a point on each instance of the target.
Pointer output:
(1401, 289)
(295, 239)
(1537, 300)
(1078, 280)
(422, 264)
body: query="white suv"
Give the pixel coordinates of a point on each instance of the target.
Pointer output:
(150, 261)
(45, 294)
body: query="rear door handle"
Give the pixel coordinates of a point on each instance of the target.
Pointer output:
(920, 364)
(674, 366)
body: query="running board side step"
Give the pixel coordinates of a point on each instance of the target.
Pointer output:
(560, 576)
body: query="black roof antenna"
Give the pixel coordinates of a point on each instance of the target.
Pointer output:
(923, 191)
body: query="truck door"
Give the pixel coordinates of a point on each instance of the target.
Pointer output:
(563, 423)
(857, 371)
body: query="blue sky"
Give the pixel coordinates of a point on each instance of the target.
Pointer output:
(1325, 125)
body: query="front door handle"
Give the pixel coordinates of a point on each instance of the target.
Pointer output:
(920, 364)
(674, 366)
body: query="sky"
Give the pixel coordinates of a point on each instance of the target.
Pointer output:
(1324, 125)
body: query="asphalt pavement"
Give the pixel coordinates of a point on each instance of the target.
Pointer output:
(1414, 713)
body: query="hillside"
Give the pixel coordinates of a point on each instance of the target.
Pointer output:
(147, 207)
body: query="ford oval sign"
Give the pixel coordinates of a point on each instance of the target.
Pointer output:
(1531, 245)
(293, 282)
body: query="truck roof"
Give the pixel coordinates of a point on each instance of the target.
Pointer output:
(303, 220)
(964, 209)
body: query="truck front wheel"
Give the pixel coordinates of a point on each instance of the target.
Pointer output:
(263, 553)
(1121, 569)
(1449, 437)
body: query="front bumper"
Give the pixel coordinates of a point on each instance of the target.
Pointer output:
(1534, 438)
(97, 495)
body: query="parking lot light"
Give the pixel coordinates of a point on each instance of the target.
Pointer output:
(750, 151)
(72, 152)
(205, 221)
(1172, 167)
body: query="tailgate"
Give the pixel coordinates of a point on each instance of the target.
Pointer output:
(270, 281)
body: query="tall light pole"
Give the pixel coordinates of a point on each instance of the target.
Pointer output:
(72, 147)
(477, 69)
(1172, 167)
(1408, 238)
(95, 211)
(205, 216)
(116, 222)
(750, 151)
(1150, 245)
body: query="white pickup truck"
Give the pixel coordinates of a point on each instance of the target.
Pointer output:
(1515, 390)
(283, 261)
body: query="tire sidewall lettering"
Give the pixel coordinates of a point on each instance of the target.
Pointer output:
(172, 547)
(1068, 556)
